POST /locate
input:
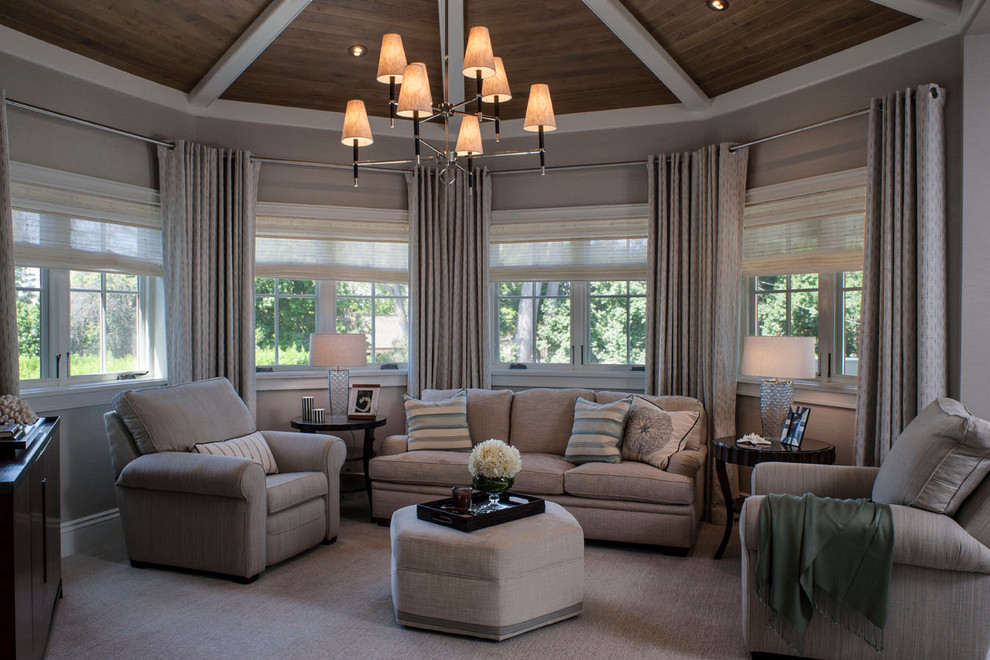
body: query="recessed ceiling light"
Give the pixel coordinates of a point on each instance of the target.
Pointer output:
(718, 5)
(357, 50)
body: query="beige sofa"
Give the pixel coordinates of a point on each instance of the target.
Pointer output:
(220, 514)
(939, 600)
(628, 501)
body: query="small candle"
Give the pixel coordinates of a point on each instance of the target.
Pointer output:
(462, 497)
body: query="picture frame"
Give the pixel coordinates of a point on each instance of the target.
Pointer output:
(362, 401)
(794, 427)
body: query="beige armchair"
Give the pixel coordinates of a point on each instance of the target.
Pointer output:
(939, 600)
(220, 514)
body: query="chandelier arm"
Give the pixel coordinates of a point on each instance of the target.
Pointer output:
(483, 117)
(431, 147)
(530, 152)
(464, 103)
(431, 117)
(461, 167)
(386, 162)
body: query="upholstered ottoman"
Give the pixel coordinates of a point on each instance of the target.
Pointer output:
(495, 583)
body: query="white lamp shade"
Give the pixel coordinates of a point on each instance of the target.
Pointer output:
(497, 85)
(786, 358)
(337, 350)
(392, 59)
(469, 137)
(539, 109)
(356, 126)
(478, 56)
(415, 94)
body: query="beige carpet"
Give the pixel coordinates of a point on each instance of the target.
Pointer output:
(334, 602)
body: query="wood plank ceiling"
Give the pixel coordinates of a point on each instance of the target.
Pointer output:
(560, 42)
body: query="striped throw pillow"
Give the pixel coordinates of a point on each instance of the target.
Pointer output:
(251, 446)
(438, 425)
(597, 431)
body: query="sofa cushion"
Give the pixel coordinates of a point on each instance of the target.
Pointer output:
(291, 488)
(597, 431)
(653, 435)
(541, 474)
(542, 419)
(487, 411)
(697, 438)
(429, 467)
(629, 481)
(251, 446)
(937, 461)
(438, 424)
(177, 417)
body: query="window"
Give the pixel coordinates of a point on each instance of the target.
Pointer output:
(90, 300)
(802, 261)
(380, 311)
(579, 324)
(287, 311)
(284, 317)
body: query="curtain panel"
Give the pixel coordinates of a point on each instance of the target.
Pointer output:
(903, 362)
(696, 203)
(10, 382)
(448, 268)
(208, 217)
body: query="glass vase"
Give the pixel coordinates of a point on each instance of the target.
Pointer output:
(494, 486)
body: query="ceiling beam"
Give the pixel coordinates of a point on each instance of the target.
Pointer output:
(264, 30)
(636, 37)
(945, 12)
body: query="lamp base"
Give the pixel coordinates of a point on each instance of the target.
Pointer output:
(338, 384)
(775, 401)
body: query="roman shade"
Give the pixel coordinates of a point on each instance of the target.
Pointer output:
(811, 225)
(76, 222)
(579, 243)
(331, 243)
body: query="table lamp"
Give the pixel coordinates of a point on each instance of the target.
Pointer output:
(777, 360)
(338, 351)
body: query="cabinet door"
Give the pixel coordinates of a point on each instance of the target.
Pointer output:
(45, 538)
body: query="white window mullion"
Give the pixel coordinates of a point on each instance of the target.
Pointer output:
(58, 326)
(826, 326)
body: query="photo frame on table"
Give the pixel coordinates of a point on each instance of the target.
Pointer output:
(362, 401)
(794, 426)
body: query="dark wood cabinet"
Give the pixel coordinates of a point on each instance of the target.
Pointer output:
(30, 543)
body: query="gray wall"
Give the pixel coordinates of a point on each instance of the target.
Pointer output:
(51, 143)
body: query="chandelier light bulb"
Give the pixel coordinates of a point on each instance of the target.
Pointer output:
(392, 60)
(497, 85)
(718, 5)
(478, 57)
(469, 137)
(539, 109)
(356, 126)
(415, 93)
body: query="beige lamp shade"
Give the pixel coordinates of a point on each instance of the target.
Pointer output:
(539, 109)
(786, 358)
(415, 93)
(392, 59)
(497, 85)
(356, 126)
(469, 137)
(478, 55)
(337, 350)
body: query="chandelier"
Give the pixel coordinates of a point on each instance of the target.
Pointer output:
(415, 103)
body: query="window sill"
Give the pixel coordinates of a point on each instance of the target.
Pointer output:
(591, 379)
(272, 381)
(833, 395)
(81, 395)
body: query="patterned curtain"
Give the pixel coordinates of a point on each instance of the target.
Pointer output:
(693, 273)
(448, 272)
(208, 202)
(9, 370)
(903, 360)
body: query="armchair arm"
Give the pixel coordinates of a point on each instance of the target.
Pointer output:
(202, 474)
(841, 481)
(394, 444)
(306, 452)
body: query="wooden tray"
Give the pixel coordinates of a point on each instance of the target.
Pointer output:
(441, 512)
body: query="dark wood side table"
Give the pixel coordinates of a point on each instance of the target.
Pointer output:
(728, 450)
(342, 423)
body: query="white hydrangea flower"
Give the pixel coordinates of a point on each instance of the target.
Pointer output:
(494, 459)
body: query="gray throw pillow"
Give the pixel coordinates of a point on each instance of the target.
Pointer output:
(653, 435)
(937, 461)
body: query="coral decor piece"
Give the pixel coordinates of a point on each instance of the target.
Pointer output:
(14, 410)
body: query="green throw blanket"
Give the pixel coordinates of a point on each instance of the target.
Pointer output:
(829, 554)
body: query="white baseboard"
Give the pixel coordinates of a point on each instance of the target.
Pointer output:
(90, 531)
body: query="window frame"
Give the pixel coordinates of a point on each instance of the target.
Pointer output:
(580, 335)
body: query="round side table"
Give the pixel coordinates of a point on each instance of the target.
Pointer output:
(342, 423)
(728, 450)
